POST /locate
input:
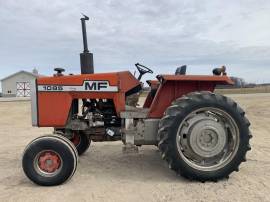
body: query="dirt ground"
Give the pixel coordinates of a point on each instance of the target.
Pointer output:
(106, 174)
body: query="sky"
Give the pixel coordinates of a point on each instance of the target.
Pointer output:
(202, 34)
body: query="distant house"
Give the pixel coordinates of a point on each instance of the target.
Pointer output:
(18, 84)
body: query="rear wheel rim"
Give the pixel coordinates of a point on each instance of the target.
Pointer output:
(48, 163)
(208, 139)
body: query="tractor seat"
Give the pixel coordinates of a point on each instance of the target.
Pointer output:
(181, 70)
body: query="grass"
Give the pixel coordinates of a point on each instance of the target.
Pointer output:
(261, 89)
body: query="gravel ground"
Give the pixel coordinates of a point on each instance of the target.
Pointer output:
(106, 174)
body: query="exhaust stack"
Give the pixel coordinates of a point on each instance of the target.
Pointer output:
(87, 61)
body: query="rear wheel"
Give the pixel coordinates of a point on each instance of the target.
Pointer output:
(50, 160)
(204, 136)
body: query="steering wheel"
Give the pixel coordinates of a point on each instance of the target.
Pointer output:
(143, 70)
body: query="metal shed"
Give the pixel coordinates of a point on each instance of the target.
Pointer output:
(18, 84)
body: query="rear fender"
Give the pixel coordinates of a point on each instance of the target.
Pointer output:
(174, 86)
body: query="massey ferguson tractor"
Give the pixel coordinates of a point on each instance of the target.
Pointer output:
(203, 136)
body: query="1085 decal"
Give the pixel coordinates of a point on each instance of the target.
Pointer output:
(52, 88)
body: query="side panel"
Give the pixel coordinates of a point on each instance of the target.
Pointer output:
(53, 108)
(171, 90)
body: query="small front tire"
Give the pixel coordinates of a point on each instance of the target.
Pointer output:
(50, 160)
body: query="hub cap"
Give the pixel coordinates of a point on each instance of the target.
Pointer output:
(208, 139)
(48, 163)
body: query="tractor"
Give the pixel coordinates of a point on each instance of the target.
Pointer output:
(202, 135)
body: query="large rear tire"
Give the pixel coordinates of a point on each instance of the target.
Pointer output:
(50, 160)
(204, 136)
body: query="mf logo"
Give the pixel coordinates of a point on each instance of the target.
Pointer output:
(95, 85)
(99, 86)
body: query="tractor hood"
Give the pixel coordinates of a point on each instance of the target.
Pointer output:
(53, 96)
(101, 82)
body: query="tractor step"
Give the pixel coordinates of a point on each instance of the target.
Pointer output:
(130, 148)
(133, 112)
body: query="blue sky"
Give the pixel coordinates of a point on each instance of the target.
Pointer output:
(202, 34)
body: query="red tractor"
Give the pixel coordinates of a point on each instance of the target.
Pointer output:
(202, 135)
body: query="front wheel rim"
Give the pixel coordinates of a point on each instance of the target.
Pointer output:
(208, 139)
(48, 163)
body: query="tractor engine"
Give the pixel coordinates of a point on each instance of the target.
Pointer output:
(98, 120)
(100, 113)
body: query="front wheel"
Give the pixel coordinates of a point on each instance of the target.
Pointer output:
(204, 136)
(50, 160)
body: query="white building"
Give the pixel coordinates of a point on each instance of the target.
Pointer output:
(18, 84)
